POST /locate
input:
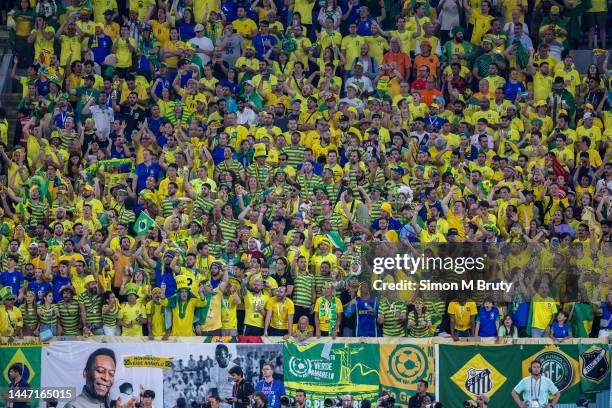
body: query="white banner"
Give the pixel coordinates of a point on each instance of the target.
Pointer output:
(170, 370)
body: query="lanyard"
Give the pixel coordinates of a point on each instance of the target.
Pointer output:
(263, 387)
(539, 388)
(63, 117)
(280, 308)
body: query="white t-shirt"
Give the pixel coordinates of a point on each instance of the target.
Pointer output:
(203, 43)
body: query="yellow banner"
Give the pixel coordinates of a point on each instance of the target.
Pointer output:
(402, 366)
(147, 361)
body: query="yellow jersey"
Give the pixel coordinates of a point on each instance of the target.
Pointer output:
(280, 312)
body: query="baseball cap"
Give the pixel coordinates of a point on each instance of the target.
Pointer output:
(198, 28)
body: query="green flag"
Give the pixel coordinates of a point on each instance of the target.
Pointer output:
(471, 370)
(143, 224)
(25, 359)
(330, 370)
(336, 240)
(594, 367)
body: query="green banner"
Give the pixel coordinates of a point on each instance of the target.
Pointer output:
(471, 370)
(21, 361)
(332, 370)
(560, 364)
(594, 367)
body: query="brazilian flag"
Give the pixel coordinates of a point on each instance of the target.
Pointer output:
(143, 224)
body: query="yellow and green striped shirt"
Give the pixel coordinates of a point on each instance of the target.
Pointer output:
(302, 292)
(69, 318)
(392, 326)
(93, 307)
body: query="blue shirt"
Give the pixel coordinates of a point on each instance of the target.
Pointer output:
(12, 279)
(561, 332)
(58, 281)
(367, 313)
(186, 30)
(155, 123)
(101, 47)
(143, 171)
(273, 391)
(39, 288)
(364, 27)
(511, 90)
(260, 47)
(230, 8)
(487, 320)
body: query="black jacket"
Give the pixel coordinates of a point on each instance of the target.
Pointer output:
(242, 391)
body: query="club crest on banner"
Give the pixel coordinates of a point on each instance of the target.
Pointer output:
(560, 367)
(478, 376)
(407, 363)
(595, 363)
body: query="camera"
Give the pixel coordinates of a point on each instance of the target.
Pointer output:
(286, 401)
(332, 402)
(387, 401)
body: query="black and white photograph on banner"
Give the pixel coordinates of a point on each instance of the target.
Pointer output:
(106, 375)
(211, 370)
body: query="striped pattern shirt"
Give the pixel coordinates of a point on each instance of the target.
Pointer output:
(234, 167)
(302, 292)
(167, 207)
(109, 316)
(392, 326)
(307, 185)
(69, 318)
(320, 281)
(228, 228)
(125, 216)
(204, 204)
(295, 155)
(48, 315)
(261, 173)
(93, 307)
(419, 328)
(215, 248)
(332, 192)
(37, 211)
(29, 316)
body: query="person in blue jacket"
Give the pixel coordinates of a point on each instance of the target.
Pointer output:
(366, 307)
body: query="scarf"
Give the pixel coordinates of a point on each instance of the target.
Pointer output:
(329, 306)
(558, 168)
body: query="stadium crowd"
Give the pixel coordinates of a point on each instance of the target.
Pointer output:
(194, 168)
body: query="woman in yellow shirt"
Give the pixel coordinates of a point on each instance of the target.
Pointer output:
(173, 48)
(482, 23)
(123, 49)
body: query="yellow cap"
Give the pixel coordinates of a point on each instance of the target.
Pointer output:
(88, 279)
